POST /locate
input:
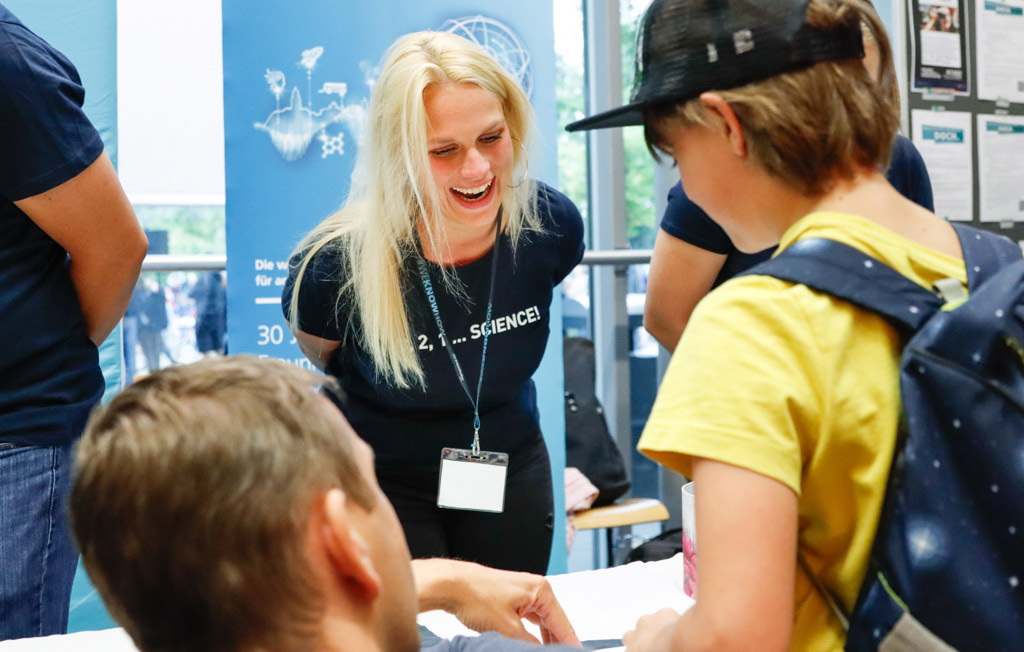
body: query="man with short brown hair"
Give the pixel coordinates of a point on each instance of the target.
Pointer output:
(227, 505)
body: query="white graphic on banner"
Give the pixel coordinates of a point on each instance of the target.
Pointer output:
(499, 39)
(292, 128)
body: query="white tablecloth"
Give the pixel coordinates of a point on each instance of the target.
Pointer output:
(106, 640)
(601, 604)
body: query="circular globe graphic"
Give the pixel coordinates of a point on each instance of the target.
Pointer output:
(500, 41)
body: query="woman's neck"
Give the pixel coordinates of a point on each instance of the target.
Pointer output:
(463, 245)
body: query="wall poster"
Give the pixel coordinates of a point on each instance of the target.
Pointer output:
(1000, 172)
(939, 61)
(944, 140)
(1000, 27)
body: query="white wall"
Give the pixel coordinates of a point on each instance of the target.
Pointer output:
(170, 94)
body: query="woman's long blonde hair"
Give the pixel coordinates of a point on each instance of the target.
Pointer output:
(373, 235)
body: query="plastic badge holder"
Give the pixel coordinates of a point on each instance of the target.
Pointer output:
(472, 481)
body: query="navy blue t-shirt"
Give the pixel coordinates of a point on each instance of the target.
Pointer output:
(688, 222)
(49, 370)
(409, 427)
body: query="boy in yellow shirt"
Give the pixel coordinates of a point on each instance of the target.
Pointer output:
(782, 403)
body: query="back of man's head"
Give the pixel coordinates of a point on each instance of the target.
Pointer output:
(192, 499)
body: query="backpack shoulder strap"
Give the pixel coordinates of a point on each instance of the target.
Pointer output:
(847, 273)
(985, 253)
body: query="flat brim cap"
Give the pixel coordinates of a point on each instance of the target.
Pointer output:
(687, 47)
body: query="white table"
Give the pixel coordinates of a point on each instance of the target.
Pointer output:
(601, 604)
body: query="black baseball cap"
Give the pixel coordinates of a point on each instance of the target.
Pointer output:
(687, 47)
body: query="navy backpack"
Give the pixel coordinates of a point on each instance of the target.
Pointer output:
(947, 565)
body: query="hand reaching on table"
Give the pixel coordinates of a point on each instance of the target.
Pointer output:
(487, 599)
(653, 633)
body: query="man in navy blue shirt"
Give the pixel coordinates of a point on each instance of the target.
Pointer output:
(70, 252)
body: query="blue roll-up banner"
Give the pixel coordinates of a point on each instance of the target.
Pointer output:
(297, 80)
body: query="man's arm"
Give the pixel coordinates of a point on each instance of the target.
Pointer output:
(487, 599)
(92, 219)
(680, 275)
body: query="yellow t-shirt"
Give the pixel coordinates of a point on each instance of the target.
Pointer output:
(803, 388)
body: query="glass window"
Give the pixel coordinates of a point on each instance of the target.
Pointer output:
(641, 224)
(177, 316)
(640, 217)
(572, 154)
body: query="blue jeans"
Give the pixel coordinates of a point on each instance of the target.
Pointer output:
(37, 555)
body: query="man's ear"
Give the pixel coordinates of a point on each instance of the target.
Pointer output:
(714, 103)
(346, 549)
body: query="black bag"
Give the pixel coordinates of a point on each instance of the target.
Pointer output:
(948, 559)
(666, 545)
(589, 445)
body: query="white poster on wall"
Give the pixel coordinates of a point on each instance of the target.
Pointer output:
(945, 141)
(1000, 50)
(1000, 170)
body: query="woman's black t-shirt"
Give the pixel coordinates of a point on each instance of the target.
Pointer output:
(408, 427)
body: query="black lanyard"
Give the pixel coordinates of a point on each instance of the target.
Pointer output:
(429, 289)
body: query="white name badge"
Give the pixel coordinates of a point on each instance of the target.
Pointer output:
(473, 482)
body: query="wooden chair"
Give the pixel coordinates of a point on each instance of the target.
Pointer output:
(633, 511)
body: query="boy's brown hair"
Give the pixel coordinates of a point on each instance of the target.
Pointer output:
(810, 126)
